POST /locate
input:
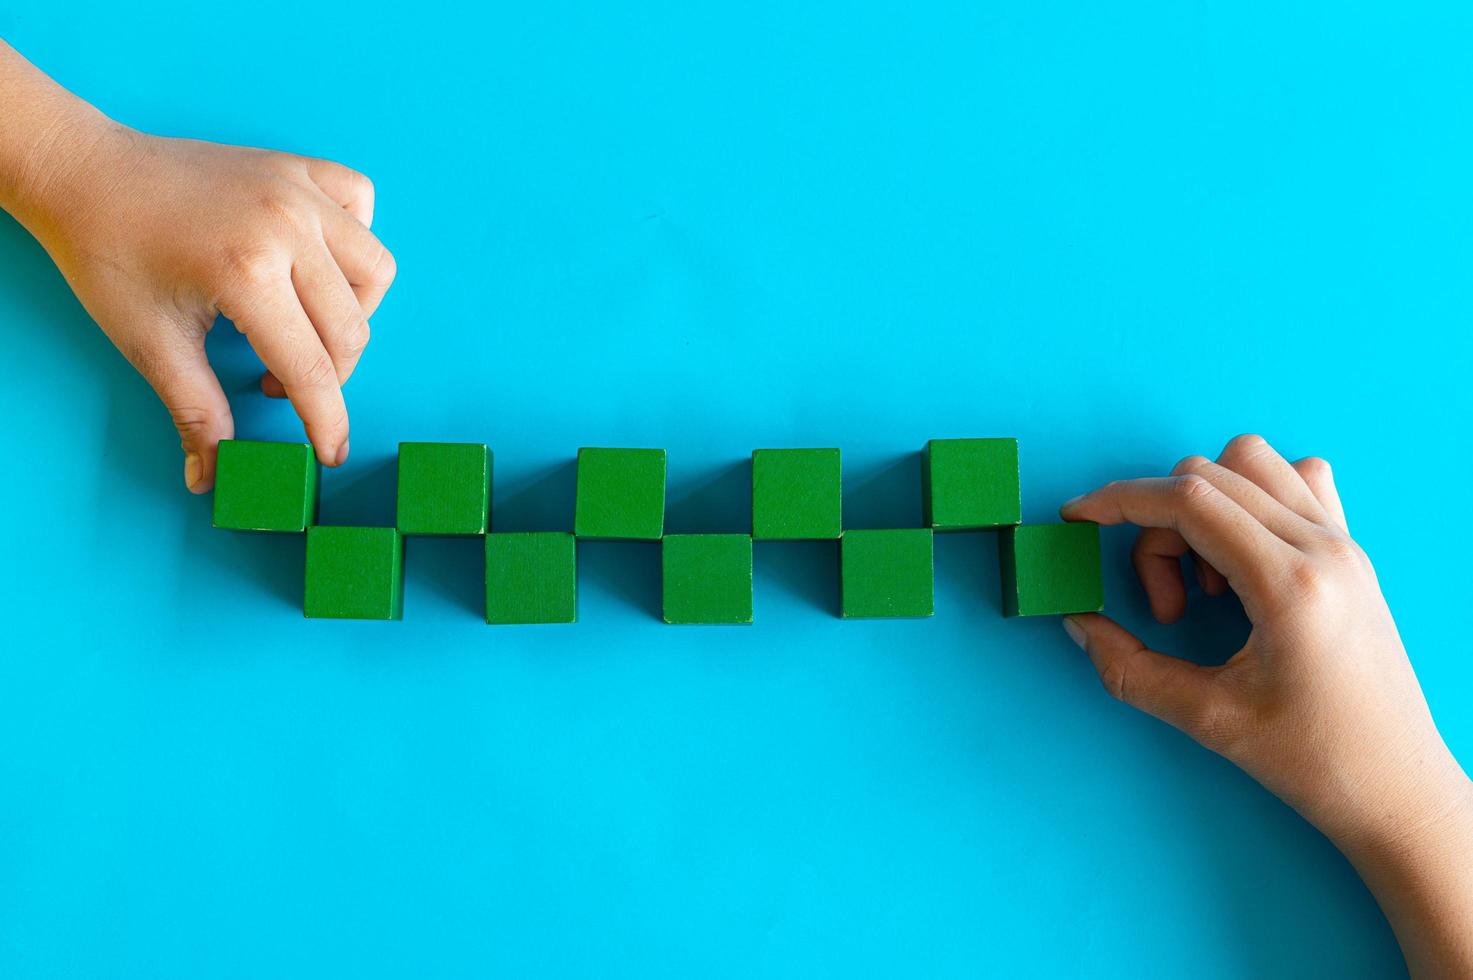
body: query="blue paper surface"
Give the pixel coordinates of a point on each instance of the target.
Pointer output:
(1121, 234)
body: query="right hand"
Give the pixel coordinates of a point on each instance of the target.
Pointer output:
(1320, 705)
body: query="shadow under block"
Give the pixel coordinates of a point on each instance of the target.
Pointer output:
(444, 488)
(1051, 569)
(621, 494)
(797, 494)
(531, 577)
(354, 573)
(887, 573)
(265, 486)
(707, 578)
(970, 484)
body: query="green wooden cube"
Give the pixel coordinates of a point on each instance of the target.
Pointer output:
(887, 573)
(444, 488)
(354, 573)
(1051, 569)
(707, 578)
(531, 577)
(621, 494)
(969, 484)
(265, 486)
(796, 494)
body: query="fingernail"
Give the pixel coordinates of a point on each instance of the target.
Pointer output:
(342, 453)
(1075, 631)
(1071, 502)
(194, 469)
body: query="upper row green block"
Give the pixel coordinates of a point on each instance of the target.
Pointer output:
(265, 486)
(444, 488)
(797, 494)
(971, 484)
(621, 494)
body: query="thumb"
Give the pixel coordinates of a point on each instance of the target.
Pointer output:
(1177, 691)
(185, 382)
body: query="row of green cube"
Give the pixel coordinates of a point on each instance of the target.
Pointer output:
(445, 489)
(531, 577)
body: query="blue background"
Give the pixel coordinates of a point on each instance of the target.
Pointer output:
(1122, 235)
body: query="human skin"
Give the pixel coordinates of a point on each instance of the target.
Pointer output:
(1321, 705)
(158, 237)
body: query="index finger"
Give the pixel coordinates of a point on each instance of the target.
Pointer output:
(273, 320)
(1210, 521)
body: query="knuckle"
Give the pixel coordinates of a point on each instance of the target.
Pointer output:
(191, 421)
(361, 186)
(1308, 580)
(1115, 678)
(1342, 550)
(354, 338)
(383, 268)
(1190, 489)
(279, 209)
(336, 426)
(1246, 444)
(1313, 467)
(314, 370)
(250, 266)
(1190, 464)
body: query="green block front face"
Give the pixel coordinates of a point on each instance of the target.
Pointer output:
(887, 573)
(621, 494)
(444, 488)
(531, 577)
(354, 573)
(796, 494)
(971, 484)
(707, 578)
(1051, 569)
(265, 486)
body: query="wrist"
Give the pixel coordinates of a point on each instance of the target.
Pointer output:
(48, 141)
(1413, 815)
(46, 173)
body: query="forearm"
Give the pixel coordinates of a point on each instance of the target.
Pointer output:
(46, 134)
(1419, 865)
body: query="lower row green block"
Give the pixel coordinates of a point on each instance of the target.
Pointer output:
(707, 578)
(887, 573)
(1051, 569)
(531, 577)
(354, 573)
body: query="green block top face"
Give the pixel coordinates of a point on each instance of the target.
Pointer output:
(444, 488)
(796, 494)
(265, 486)
(887, 573)
(971, 484)
(707, 578)
(621, 494)
(1051, 569)
(354, 573)
(531, 577)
